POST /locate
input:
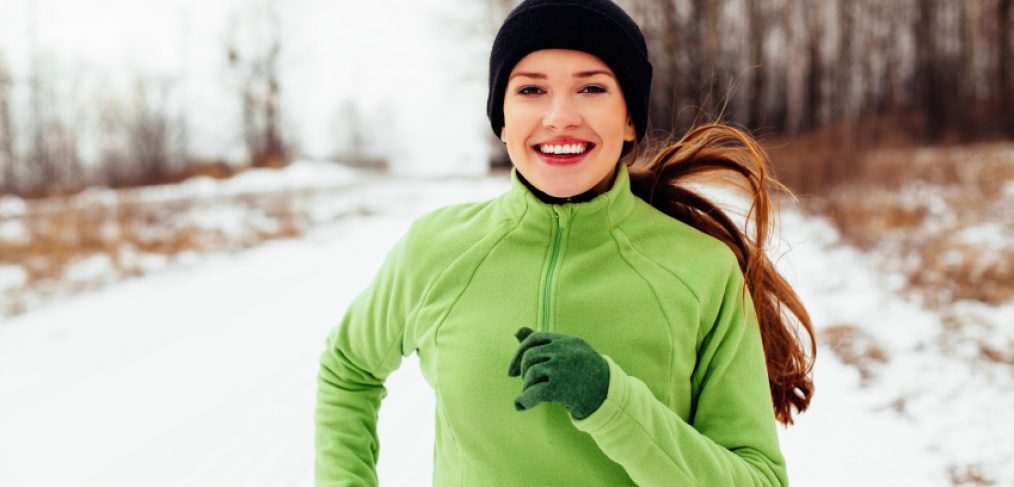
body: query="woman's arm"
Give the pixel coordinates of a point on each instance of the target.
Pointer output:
(730, 439)
(360, 353)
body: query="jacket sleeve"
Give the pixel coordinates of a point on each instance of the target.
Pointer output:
(360, 352)
(730, 438)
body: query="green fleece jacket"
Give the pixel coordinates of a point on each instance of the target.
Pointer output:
(688, 402)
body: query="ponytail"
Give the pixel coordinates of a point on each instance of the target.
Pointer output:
(721, 150)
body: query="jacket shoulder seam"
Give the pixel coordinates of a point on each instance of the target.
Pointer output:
(471, 275)
(658, 301)
(686, 284)
(433, 280)
(411, 315)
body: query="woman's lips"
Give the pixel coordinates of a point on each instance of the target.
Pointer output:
(563, 159)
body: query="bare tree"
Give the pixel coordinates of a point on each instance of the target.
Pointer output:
(661, 25)
(149, 133)
(8, 158)
(53, 150)
(757, 18)
(1004, 87)
(115, 169)
(815, 65)
(705, 51)
(925, 80)
(260, 92)
(843, 75)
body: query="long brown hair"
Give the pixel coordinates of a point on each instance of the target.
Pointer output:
(710, 153)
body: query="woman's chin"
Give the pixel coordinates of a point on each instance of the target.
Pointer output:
(563, 190)
(559, 184)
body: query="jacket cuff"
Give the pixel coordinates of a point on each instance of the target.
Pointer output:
(609, 410)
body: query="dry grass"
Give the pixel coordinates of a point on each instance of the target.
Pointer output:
(974, 338)
(855, 347)
(60, 232)
(968, 475)
(216, 169)
(941, 216)
(825, 158)
(924, 208)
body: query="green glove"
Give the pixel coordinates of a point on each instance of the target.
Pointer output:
(559, 368)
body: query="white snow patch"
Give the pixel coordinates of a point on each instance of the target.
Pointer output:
(91, 268)
(12, 276)
(989, 235)
(11, 206)
(14, 231)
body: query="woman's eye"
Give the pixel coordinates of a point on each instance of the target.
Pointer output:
(595, 88)
(526, 90)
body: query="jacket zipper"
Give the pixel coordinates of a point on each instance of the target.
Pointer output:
(552, 266)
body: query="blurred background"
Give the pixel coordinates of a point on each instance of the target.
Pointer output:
(192, 191)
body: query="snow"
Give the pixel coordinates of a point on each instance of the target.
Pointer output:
(12, 276)
(213, 215)
(302, 174)
(929, 407)
(991, 235)
(11, 205)
(13, 231)
(203, 373)
(93, 267)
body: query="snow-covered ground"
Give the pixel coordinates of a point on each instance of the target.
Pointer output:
(204, 373)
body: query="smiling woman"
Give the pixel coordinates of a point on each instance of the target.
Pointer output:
(565, 121)
(597, 324)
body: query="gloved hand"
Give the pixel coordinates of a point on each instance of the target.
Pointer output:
(559, 368)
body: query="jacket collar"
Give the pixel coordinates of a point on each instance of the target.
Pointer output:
(605, 210)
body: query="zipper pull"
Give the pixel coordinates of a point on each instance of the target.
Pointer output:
(562, 215)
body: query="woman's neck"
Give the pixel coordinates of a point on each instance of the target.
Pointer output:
(554, 200)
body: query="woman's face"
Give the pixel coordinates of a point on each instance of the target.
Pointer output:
(565, 121)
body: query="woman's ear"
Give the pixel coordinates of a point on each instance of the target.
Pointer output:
(630, 132)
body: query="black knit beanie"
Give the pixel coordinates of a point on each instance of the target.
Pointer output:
(598, 27)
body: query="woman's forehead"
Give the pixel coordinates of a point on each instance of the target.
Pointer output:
(558, 57)
(546, 63)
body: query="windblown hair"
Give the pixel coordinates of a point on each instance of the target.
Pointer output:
(710, 153)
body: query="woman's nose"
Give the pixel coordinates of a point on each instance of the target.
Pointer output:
(561, 114)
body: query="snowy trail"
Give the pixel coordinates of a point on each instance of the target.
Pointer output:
(206, 375)
(203, 376)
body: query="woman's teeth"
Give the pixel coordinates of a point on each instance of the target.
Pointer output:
(563, 149)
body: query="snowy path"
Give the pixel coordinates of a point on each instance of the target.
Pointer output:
(205, 376)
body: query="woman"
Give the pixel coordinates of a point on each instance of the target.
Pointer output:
(574, 333)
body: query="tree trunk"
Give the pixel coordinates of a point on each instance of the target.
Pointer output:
(1003, 65)
(927, 74)
(814, 73)
(757, 35)
(7, 157)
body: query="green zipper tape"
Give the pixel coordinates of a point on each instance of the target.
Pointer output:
(549, 275)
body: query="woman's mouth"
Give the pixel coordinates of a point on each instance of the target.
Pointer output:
(563, 154)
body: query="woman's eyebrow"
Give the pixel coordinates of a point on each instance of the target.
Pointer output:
(580, 74)
(586, 74)
(528, 75)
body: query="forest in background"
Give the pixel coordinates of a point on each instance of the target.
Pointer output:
(142, 138)
(890, 117)
(822, 82)
(818, 82)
